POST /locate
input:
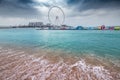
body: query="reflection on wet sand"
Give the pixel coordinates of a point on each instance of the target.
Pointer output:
(18, 65)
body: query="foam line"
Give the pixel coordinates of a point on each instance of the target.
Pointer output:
(24, 66)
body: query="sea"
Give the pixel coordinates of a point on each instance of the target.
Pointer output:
(30, 54)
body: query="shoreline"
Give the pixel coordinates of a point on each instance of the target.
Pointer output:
(26, 65)
(59, 29)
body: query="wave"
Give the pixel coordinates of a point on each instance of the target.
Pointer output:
(18, 65)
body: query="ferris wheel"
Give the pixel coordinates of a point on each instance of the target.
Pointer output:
(56, 16)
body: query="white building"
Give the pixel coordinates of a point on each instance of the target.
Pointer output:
(36, 24)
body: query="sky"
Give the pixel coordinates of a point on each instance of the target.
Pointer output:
(77, 12)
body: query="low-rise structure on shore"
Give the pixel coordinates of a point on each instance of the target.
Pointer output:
(48, 26)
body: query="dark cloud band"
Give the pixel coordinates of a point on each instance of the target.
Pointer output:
(17, 8)
(82, 5)
(21, 8)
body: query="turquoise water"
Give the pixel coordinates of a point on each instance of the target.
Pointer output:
(29, 54)
(74, 41)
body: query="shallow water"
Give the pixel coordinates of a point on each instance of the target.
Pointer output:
(29, 54)
(16, 64)
(92, 41)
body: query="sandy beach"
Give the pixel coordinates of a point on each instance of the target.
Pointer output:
(20, 65)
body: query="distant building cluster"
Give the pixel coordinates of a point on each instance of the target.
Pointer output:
(103, 27)
(48, 26)
(35, 24)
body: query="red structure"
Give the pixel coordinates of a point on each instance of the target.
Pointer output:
(103, 27)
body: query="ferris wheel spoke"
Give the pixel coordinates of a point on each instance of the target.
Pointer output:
(56, 16)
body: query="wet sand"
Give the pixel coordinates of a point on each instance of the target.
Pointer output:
(18, 64)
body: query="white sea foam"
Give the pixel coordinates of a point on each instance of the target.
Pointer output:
(21, 66)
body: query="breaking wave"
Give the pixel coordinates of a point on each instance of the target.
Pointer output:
(18, 65)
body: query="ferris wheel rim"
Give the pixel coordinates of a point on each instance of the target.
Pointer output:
(60, 10)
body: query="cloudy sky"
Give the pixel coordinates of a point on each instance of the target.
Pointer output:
(77, 12)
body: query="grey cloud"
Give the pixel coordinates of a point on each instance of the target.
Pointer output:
(17, 8)
(25, 8)
(82, 5)
(93, 7)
